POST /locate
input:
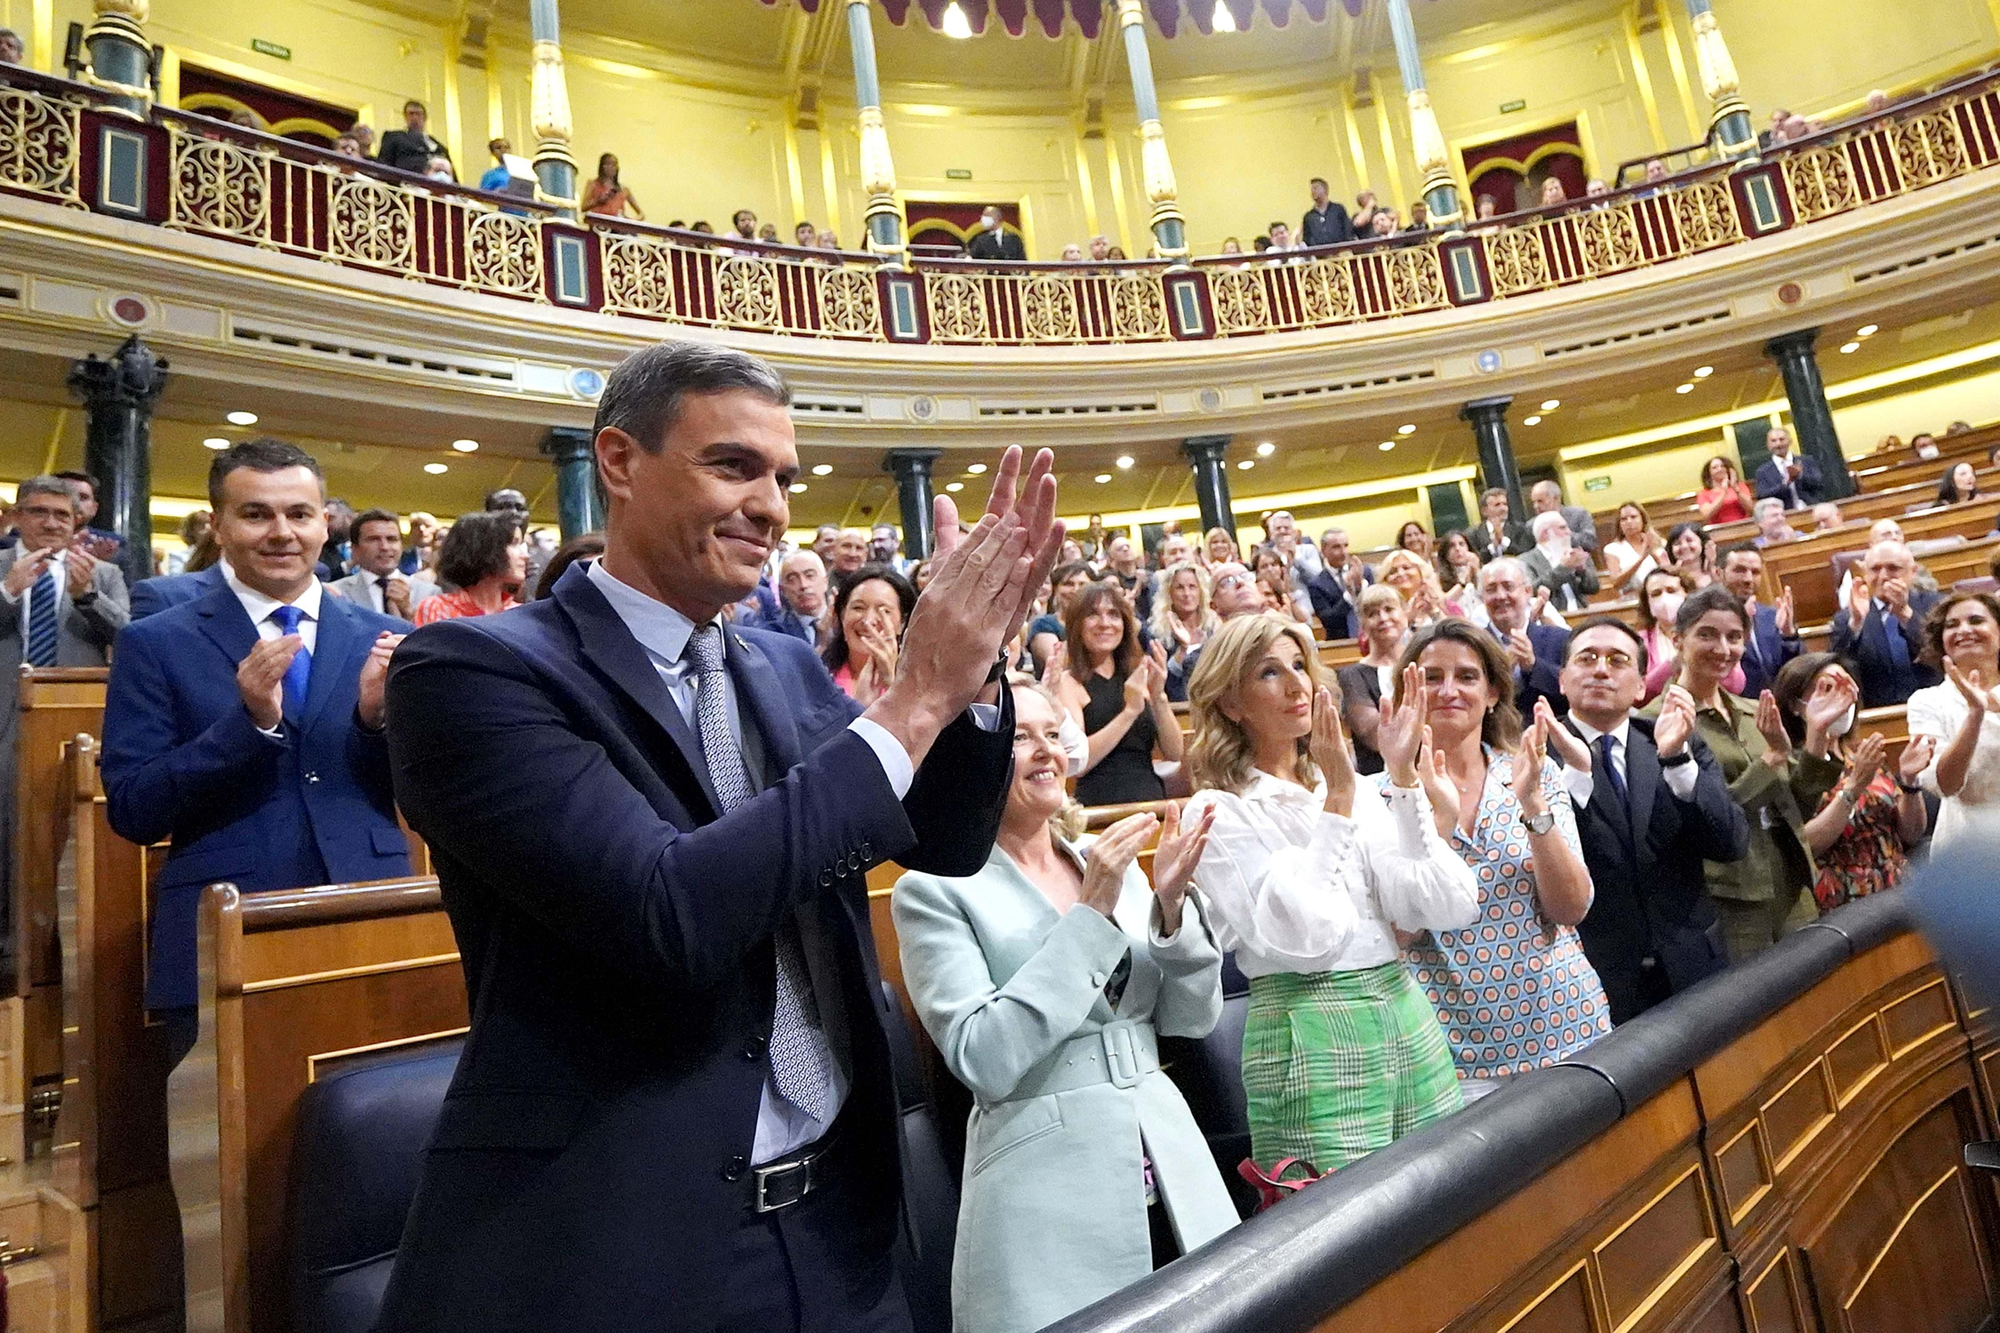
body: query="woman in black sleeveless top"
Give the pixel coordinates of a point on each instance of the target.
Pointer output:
(1118, 694)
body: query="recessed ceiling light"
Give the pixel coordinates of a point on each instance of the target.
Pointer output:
(956, 24)
(215, 442)
(1866, 331)
(1386, 445)
(1684, 388)
(1125, 460)
(798, 488)
(466, 446)
(241, 418)
(1224, 21)
(1551, 404)
(1531, 421)
(435, 468)
(1850, 347)
(954, 486)
(822, 469)
(976, 469)
(1406, 430)
(1266, 449)
(1246, 465)
(1703, 372)
(1103, 477)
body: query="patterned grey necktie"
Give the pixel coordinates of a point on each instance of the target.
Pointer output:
(801, 1060)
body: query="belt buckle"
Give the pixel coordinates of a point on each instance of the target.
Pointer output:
(781, 1186)
(1121, 1055)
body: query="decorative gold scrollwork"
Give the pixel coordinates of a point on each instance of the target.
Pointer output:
(370, 222)
(38, 145)
(219, 187)
(1928, 149)
(1416, 280)
(1706, 215)
(638, 275)
(746, 293)
(1048, 310)
(503, 253)
(1514, 254)
(1138, 310)
(1240, 303)
(1821, 181)
(1609, 240)
(1326, 291)
(958, 308)
(848, 303)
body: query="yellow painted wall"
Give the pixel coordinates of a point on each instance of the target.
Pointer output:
(1029, 160)
(1856, 45)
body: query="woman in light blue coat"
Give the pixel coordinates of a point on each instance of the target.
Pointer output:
(1046, 981)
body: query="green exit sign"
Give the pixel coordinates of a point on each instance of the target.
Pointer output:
(958, 173)
(1509, 108)
(273, 49)
(1597, 483)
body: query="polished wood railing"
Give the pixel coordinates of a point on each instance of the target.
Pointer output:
(62, 142)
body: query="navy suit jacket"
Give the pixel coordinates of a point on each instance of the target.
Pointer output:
(787, 622)
(1874, 671)
(1766, 651)
(1646, 863)
(1804, 493)
(589, 1168)
(1332, 606)
(182, 759)
(151, 596)
(1544, 679)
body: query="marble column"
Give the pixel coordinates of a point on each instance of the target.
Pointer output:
(1426, 140)
(121, 59)
(1209, 456)
(1812, 416)
(878, 168)
(912, 471)
(1729, 129)
(118, 394)
(1488, 418)
(1169, 228)
(579, 499)
(555, 168)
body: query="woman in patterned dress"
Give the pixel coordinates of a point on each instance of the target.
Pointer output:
(1514, 991)
(1861, 836)
(1308, 874)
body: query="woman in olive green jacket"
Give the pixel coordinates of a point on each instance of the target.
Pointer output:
(1768, 894)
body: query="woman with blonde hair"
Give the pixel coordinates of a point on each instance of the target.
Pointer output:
(1308, 875)
(1082, 1176)
(1217, 548)
(1413, 576)
(1182, 620)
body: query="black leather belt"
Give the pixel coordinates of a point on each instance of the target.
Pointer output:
(778, 1185)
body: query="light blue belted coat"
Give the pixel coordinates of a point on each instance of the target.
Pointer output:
(1066, 1090)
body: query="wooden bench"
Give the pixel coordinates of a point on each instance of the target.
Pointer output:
(111, 1139)
(1858, 512)
(1806, 567)
(293, 985)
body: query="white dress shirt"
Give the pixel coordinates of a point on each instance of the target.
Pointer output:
(58, 566)
(1291, 888)
(1938, 711)
(664, 632)
(259, 607)
(1680, 777)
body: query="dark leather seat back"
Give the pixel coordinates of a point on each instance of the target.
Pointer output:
(1209, 1073)
(361, 1137)
(930, 1181)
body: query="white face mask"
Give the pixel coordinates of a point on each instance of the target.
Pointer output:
(1666, 606)
(1843, 724)
(989, 223)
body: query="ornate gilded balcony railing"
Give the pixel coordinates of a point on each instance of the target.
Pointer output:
(64, 143)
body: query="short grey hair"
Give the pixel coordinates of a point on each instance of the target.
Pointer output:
(46, 484)
(643, 395)
(1548, 523)
(803, 556)
(1547, 486)
(1507, 562)
(1767, 505)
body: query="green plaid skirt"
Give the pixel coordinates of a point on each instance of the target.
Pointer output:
(1338, 1064)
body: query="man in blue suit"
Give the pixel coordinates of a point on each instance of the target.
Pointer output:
(1651, 804)
(1881, 630)
(653, 830)
(154, 595)
(1774, 632)
(1534, 647)
(247, 724)
(1789, 476)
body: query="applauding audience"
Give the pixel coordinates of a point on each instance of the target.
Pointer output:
(1961, 718)
(1117, 693)
(1310, 872)
(1637, 552)
(1881, 627)
(1024, 974)
(1774, 636)
(485, 559)
(866, 637)
(1385, 628)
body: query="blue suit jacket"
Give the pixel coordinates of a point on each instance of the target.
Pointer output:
(1804, 493)
(182, 759)
(1771, 651)
(151, 596)
(1874, 670)
(1544, 679)
(590, 1165)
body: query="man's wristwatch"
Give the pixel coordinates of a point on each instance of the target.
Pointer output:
(1542, 823)
(84, 598)
(1686, 756)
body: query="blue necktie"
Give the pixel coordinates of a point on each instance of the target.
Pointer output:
(1605, 744)
(42, 620)
(299, 673)
(1899, 648)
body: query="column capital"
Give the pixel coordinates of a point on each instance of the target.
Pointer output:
(1798, 343)
(1131, 12)
(1485, 409)
(569, 444)
(901, 461)
(1207, 448)
(132, 376)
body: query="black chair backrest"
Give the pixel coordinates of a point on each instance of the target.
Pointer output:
(930, 1180)
(362, 1132)
(1209, 1073)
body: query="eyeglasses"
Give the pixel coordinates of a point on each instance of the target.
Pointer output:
(1231, 581)
(1590, 659)
(47, 512)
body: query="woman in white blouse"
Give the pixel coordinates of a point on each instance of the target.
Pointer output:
(1636, 553)
(1960, 719)
(1308, 875)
